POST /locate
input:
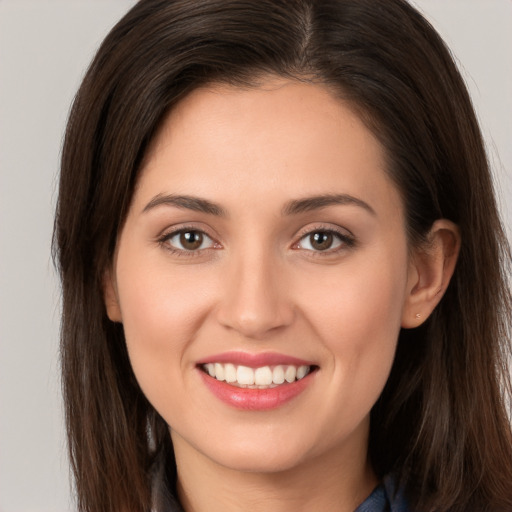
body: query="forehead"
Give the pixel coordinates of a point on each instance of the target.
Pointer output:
(280, 136)
(271, 107)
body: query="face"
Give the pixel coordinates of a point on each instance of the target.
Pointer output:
(261, 276)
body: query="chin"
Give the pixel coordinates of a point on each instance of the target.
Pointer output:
(260, 462)
(267, 457)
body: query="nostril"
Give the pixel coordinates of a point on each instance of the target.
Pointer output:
(256, 319)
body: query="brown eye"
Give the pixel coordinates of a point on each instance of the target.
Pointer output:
(188, 241)
(191, 240)
(324, 241)
(321, 240)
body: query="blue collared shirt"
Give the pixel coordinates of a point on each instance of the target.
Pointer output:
(385, 498)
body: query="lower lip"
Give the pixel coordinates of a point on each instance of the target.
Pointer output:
(256, 399)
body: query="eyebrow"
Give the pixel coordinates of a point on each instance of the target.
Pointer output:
(187, 203)
(308, 204)
(293, 207)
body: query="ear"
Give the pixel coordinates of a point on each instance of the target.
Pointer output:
(431, 268)
(110, 297)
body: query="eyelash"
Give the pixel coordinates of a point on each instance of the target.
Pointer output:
(166, 237)
(347, 241)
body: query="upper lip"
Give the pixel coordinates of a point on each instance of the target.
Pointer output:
(254, 360)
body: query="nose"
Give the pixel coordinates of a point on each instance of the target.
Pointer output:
(255, 298)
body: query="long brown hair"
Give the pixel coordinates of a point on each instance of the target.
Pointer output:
(441, 424)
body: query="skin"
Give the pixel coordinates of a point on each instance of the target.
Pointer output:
(258, 285)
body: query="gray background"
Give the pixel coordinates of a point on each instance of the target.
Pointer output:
(45, 46)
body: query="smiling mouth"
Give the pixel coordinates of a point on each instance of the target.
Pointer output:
(264, 377)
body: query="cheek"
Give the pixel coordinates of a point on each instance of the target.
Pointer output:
(161, 311)
(366, 294)
(357, 315)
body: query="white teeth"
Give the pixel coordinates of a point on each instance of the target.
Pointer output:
(219, 371)
(263, 376)
(256, 378)
(302, 371)
(290, 374)
(245, 375)
(278, 375)
(230, 372)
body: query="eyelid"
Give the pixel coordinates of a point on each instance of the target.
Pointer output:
(346, 237)
(170, 232)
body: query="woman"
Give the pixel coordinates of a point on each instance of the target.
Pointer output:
(283, 269)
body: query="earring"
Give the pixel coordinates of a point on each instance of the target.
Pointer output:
(418, 316)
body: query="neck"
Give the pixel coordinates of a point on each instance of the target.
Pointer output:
(334, 482)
